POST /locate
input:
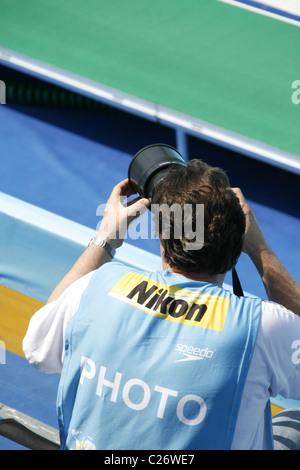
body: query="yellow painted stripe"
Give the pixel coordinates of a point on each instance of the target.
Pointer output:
(15, 312)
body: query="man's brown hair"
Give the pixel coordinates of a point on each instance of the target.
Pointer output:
(224, 220)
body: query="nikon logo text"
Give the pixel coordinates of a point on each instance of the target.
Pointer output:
(171, 302)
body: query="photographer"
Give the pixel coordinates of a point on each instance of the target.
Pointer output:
(170, 359)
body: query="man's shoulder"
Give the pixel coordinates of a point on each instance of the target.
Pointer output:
(279, 329)
(117, 267)
(276, 314)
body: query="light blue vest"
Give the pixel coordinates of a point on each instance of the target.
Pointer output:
(155, 361)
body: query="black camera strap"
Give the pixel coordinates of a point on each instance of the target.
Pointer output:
(236, 285)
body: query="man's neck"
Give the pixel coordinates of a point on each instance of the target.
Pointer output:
(200, 277)
(194, 276)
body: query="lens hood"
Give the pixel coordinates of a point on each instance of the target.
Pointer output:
(150, 165)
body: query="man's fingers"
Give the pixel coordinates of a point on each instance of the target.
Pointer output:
(137, 207)
(239, 195)
(243, 203)
(145, 201)
(122, 189)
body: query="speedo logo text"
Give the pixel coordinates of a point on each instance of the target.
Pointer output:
(191, 353)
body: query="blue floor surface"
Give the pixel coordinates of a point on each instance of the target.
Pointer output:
(67, 162)
(29, 391)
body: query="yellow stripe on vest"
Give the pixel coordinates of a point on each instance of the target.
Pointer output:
(172, 302)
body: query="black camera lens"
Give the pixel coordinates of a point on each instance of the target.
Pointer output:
(150, 165)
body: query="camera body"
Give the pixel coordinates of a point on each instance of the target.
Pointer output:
(150, 165)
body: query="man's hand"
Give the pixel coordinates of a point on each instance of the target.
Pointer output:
(119, 214)
(280, 286)
(254, 241)
(117, 217)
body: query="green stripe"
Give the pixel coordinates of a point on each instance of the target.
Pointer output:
(225, 65)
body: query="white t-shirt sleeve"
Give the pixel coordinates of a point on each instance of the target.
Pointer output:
(279, 342)
(274, 370)
(43, 344)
